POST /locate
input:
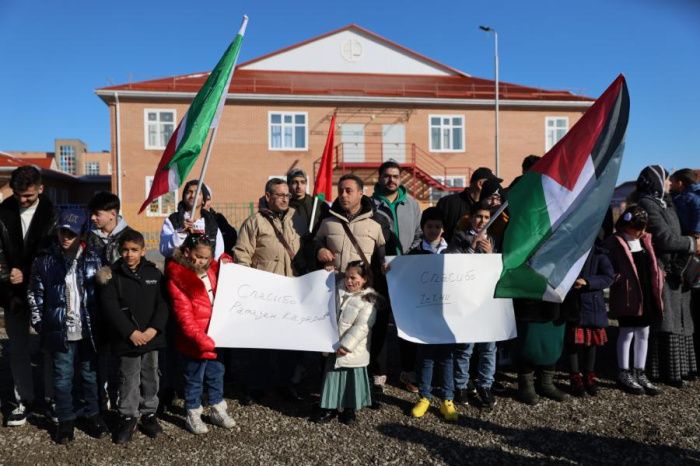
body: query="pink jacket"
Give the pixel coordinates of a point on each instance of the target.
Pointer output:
(626, 292)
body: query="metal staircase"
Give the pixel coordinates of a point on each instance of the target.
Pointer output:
(422, 172)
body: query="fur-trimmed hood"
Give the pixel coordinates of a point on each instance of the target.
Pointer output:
(105, 274)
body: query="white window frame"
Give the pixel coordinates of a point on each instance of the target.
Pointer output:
(88, 164)
(146, 111)
(287, 149)
(464, 132)
(547, 119)
(74, 159)
(148, 183)
(441, 179)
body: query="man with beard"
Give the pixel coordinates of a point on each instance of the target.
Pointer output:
(403, 214)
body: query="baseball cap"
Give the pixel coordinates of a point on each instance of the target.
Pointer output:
(73, 220)
(483, 173)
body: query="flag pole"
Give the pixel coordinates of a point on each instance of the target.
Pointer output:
(313, 215)
(200, 182)
(212, 136)
(495, 216)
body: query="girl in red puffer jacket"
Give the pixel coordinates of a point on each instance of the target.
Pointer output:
(192, 279)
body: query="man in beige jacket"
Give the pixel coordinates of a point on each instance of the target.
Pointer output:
(334, 247)
(269, 240)
(259, 245)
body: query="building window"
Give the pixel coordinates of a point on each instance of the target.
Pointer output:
(451, 181)
(159, 126)
(92, 168)
(554, 129)
(66, 161)
(164, 205)
(288, 131)
(446, 133)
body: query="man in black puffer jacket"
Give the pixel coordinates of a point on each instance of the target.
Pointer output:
(134, 305)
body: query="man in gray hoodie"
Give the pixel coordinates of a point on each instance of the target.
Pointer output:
(108, 226)
(103, 239)
(402, 212)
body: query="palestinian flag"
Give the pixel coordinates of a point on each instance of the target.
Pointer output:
(323, 186)
(204, 113)
(557, 208)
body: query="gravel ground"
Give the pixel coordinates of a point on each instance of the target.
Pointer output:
(612, 428)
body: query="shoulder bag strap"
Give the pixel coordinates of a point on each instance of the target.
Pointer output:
(353, 240)
(280, 237)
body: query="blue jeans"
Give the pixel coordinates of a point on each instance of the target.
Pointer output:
(486, 367)
(201, 372)
(428, 357)
(80, 354)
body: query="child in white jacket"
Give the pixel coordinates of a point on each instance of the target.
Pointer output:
(346, 385)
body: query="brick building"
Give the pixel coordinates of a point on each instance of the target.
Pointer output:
(71, 156)
(391, 103)
(62, 188)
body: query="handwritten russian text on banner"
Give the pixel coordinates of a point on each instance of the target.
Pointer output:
(448, 298)
(256, 309)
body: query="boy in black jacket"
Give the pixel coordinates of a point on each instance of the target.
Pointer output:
(475, 240)
(133, 302)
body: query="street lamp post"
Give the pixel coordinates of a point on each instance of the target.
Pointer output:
(496, 88)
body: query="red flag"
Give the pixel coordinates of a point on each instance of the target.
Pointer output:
(323, 187)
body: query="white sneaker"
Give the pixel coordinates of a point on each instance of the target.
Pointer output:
(194, 423)
(18, 416)
(219, 417)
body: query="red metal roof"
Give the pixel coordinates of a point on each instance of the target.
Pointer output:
(457, 85)
(11, 162)
(39, 162)
(352, 84)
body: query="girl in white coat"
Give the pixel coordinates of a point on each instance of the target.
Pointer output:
(346, 385)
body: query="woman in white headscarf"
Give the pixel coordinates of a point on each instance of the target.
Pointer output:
(672, 355)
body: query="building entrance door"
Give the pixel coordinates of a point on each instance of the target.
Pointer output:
(394, 143)
(352, 136)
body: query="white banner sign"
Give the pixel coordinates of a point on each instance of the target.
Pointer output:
(256, 309)
(448, 298)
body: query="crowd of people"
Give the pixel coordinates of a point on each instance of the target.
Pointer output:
(118, 333)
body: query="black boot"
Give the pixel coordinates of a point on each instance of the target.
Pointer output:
(64, 432)
(322, 416)
(95, 426)
(150, 425)
(643, 381)
(348, 417)
(547, 388)
(628, 382)
(526, 388)
(126, 429)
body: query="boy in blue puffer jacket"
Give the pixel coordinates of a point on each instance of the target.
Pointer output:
(61, 296)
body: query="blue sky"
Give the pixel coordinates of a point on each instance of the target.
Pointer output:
(53, 54)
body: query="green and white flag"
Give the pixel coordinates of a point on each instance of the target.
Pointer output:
(204, 113)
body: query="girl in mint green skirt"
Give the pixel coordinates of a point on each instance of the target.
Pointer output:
(346, 386)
